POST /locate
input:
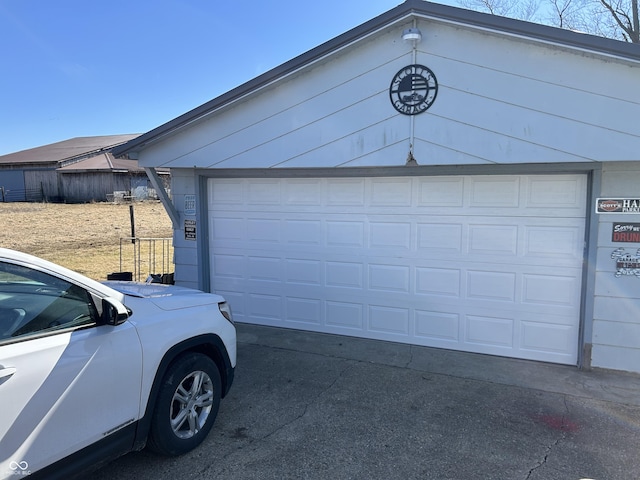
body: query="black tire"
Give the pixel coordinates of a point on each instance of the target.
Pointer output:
(186, 406)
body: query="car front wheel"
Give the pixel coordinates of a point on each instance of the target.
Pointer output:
(187, 405)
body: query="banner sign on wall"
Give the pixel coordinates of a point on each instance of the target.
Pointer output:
(618, 205)
(626, 232)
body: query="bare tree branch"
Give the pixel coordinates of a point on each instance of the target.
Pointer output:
(618, 19)
(520, 9)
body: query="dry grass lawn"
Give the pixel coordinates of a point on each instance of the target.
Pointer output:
(86, 237)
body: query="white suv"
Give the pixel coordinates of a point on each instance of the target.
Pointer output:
(90, 371)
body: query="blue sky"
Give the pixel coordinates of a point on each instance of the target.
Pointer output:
(75, 68)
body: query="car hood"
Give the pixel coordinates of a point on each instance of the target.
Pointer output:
(166, 297)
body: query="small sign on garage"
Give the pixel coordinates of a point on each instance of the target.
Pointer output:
(618, 205)
(626, 232)
(190, 230)
(189, 204)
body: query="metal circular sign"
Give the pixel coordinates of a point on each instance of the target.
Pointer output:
(413, 89)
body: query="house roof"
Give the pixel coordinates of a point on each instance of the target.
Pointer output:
(104, 162)
(433, 11)
(67, 150)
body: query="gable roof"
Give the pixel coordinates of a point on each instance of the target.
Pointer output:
(433, 11)
(66, 150)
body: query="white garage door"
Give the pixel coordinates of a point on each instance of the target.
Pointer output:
(487, 264)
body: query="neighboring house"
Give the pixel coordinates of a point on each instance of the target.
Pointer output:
(77, 170)
(429, 177)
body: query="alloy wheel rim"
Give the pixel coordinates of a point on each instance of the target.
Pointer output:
(191, 404)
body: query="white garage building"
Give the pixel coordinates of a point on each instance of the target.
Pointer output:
(430, 177)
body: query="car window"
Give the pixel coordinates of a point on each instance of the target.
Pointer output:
(34, 303)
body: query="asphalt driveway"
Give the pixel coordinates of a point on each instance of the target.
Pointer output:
(315, 406)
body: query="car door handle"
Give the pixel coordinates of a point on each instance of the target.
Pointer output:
(6, 372)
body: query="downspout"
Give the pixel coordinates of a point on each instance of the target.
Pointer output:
(164, 197)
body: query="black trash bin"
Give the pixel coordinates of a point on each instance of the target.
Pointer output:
(126, 276)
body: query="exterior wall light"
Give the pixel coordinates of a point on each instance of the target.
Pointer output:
(412, 35)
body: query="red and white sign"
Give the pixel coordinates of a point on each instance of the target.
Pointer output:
(625, 232)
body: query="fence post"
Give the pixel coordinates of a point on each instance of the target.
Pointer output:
(133, 224)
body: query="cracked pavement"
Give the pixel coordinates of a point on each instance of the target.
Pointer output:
(314, 406)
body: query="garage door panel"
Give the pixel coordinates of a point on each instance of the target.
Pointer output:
(389, 278)
(559, 194)
(299, 231)
(438, 281)
(494, 191)
(549, 241)
(266, 307)
(266, 269)
(499, 289)
(228, 266)
(306, 192)
(303, 310)
(523, 244)
(490, 239)
(440, 192)
(263, 192)
(489, 331)
(390, 235)
(345, 315)
(389, 320)
(345, 233)
(344, 274)
(438, 326)
(390, 192)
(227, 228)
(345, 192)
(263, 230)
(439, 238)
(480, 264)
(544, 337)
(551, 290)
(491, 285)
(299, 271)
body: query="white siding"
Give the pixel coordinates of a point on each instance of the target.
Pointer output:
(616, 316)
(500, 100)
(183, 183)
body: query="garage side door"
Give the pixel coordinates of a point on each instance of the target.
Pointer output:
(487, 264)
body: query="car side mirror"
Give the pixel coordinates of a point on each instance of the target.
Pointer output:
(114, 312)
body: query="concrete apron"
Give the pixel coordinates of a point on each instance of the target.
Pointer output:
(607, 385)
